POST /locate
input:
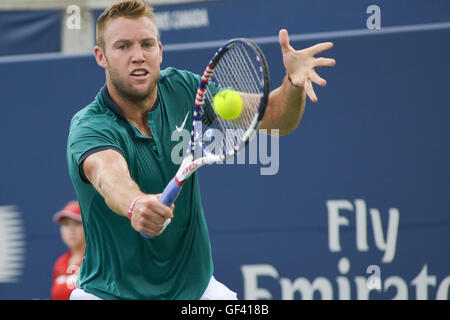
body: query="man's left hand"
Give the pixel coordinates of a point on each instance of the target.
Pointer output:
(300, 64)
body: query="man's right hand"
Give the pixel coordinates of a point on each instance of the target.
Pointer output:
(149, 214)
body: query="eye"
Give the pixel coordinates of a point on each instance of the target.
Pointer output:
(147, 45)
(122, 47)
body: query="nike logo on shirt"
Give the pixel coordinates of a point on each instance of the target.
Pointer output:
(180, 128)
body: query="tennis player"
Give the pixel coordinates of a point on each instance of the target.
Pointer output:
(119, 158)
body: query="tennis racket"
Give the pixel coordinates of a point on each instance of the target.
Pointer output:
(240, 66)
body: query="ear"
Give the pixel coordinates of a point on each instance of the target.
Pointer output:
(100, 57)
(160, 52)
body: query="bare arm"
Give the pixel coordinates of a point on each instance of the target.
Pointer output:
(287, 103)
(285, 108)
(108, 172)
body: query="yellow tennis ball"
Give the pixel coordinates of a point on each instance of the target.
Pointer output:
(228, 104)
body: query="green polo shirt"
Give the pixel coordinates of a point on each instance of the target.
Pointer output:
(118, 262)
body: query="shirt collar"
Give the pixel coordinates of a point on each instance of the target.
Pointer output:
(109, 102)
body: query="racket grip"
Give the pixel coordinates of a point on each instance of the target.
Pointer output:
(171, 192)
(168, 197)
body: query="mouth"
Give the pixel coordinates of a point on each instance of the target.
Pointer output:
(140, 73)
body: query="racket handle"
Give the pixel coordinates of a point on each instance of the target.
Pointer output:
(171, 192)
(168, 197)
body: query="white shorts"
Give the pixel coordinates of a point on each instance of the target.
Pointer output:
(215, 291)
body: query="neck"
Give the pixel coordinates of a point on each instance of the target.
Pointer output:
(77, 252)
(134, 110)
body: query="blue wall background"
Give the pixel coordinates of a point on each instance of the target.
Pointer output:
(378, 138)
(27, 32)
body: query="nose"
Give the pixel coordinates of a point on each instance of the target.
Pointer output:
(137, 55)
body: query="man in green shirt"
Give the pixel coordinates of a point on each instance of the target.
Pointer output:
(119, 156)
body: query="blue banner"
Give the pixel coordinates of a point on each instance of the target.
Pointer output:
(27, 32)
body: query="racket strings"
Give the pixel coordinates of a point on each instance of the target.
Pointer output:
(246, 75)
(236, 70)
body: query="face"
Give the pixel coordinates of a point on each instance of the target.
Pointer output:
(72, 233)
(131, 57)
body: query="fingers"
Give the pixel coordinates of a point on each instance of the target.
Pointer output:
(310, 91)
(283, 38)
(324, 62)
(300, 64)
(317, 79)
(149, 215)
(156, 208)
(319, 48)
(148, 227)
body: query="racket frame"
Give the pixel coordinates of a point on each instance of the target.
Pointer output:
(189, 165)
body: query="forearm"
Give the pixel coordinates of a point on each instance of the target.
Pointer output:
(285, 108)
(118, 190)
(108, 173)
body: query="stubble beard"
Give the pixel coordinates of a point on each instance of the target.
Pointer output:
(124, 89)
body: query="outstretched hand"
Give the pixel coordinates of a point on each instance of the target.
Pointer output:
(300, 64)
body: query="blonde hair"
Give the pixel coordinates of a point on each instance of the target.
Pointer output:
(127, 8)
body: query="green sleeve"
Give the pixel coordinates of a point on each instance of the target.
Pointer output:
(88, 138)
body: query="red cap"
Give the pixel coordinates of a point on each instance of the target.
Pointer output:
(70, 210)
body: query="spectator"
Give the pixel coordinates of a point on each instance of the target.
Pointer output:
(66, 267)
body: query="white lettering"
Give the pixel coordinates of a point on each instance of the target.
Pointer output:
(306, 288)
(422, 281)
(343, 282)
(182, 19)
(193, 310)
(362, 290)
(361, 225)
(392, 235)
(322, 286)
(216, 142)
(232, 137)
(273, 160)
(373, 21)
(335, 221)
(253, 149)
(388, 245)
(179, 150)
(374, 281)
(250, 274)
(73, 20)
(399, 284)
(442, 293)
